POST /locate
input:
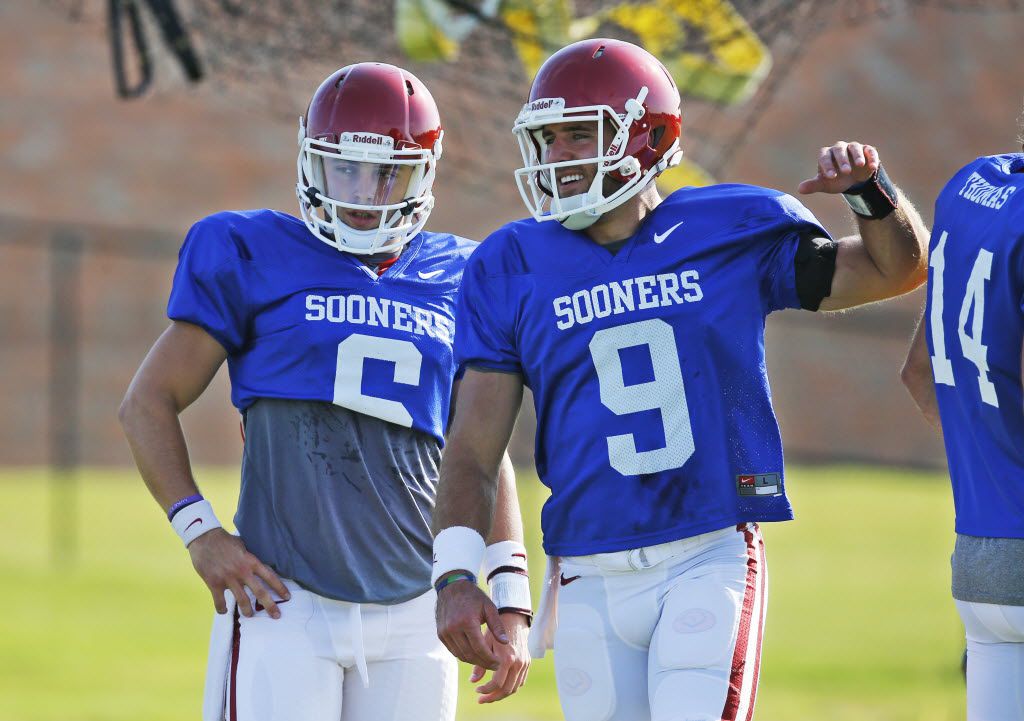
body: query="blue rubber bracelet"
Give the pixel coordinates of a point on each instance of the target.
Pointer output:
(184, 502)
(451, 578)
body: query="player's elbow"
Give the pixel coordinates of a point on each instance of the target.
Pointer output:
(131, 409)
(915, 376)
(142, 403)
(915, 275)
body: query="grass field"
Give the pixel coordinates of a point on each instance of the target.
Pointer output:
(860, 626)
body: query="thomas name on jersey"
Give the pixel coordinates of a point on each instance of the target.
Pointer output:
(618, 297)
(380, 312)
(980, 191)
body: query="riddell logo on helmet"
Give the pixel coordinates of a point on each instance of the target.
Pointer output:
(547, 104)
(368, 139)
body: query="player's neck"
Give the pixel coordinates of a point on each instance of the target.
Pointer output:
(381, 261)
(623, 222)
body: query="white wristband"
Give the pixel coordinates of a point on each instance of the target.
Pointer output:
(502, 554)
(506, 573)
(194, 520)
(511, 592)
(457, 549)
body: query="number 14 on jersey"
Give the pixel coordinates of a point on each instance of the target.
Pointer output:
(970, 343)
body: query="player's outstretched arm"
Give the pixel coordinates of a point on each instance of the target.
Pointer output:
(178, 368)
(890, 255)
(917, 377)
(486, 408)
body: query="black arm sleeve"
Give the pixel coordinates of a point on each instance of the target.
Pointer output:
(814, 264)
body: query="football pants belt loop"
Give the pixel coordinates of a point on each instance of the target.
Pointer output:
(358, 646)
(545, 620)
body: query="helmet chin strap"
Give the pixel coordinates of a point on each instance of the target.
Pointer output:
(595, 196)
(586, 218)
(580, 221)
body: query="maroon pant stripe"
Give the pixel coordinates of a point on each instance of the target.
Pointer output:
(762, 572)
(739, 662)
(236, 642)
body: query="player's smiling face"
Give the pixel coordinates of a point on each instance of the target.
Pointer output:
(573, 140)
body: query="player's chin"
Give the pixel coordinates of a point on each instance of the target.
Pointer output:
(361, 219)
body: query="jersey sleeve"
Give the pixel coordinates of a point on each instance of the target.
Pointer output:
(484, 319)
(208, 287)
(786, 222)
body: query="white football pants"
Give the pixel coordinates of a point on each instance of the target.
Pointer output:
(327, 660)
(667, 632)
(995, 661)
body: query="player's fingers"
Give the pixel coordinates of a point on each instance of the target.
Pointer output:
(266, 573)
(493, 620)
(511, 684)
(871, 156)
(478, 673)
(856, 152)
(513, 681)
(454, 642)
(826, 165)
(498, 678)
(453, 649)
(478, 653)
(217, 591)
(244, 605)
(840, 156)
(520, 669)
(263, 596)
(523, 673)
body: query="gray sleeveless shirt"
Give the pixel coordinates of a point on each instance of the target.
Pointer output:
(338, 501)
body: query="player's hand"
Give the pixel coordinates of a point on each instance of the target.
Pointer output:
(841, 166)
(461, 609)
(513, 661)
(222, 562)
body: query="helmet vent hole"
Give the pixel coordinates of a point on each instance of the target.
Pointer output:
(408, 87)
(340, 81)
(656, 135)
(599, 52)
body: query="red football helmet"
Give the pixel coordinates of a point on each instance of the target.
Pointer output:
(368, 150)
(612, 83)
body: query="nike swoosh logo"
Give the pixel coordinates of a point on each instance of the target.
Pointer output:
(566, 581)
(660, 237)
(198, 520)
(431, 274)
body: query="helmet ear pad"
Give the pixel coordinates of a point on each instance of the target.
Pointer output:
(650, 140)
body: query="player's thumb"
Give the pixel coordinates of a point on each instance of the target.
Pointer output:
(811, 185)
(493, 620)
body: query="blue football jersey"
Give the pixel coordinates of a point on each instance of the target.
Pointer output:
(301, 320)
(975, 317)
(654, 416)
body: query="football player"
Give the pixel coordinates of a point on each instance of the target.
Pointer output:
(337, 330)
(964, 370)
(638, 323)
